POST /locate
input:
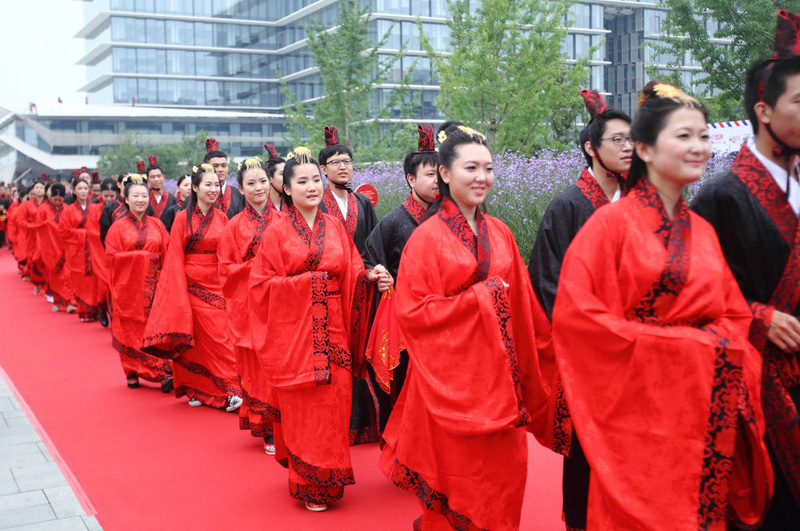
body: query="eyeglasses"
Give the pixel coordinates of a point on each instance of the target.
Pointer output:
(618, 140)
(338, 162)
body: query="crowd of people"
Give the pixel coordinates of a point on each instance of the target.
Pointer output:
(651, 343)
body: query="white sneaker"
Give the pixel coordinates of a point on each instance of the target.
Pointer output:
(195, 403)
(269, 449)
(72, 308)
(54, 308)
(35, 290)
(232, 403)
(316, 507)
(50, 299)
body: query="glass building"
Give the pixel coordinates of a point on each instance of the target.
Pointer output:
(230, 53)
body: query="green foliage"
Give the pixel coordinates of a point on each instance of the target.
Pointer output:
(507, 73)
(350, 70)
(176, 159)
(750, 27)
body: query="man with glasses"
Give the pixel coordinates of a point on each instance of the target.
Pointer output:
(606, 144)
(339, 200)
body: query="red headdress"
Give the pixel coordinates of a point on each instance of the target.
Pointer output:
(44, 176)
(331, 136)
(84, 169)
(211, 145)
(75, 173)
(152, 159)
(594, 103)
(425, 143)
(95, 177)
(273, 153)
(140, 166)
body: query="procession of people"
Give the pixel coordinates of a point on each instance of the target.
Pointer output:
(652, 343)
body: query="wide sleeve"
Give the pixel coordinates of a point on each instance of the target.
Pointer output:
(234, 275)
(357, 301)
(169, 330)
(544, 266)
(459, 345)
(374, 248)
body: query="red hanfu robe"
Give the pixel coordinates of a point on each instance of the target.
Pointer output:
(74, 231)
(135, 252)
(307, 333)
(159, 205)
(457, 436)
(98, 254)
(238, 246)
(650, 331)
(188, 321)
(51, 245)
(13, 234)
(33, 256)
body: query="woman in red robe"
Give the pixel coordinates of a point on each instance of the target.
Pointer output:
(650, 331)
(15, 235)
(238, 246)
(51, 246)
(135, 249)
(466, 309)
(74, 231)
(26, 220)
(307, 289)
(188, 321)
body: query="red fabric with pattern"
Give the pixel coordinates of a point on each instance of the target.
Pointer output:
(781, 371)
(135, 253)
(152, 160)
(415, 209)
(425, 143)
(223, 202)
(590, 188)
(74, 231)
(158, 206)
(669, 438)
(594, 102)
(239, 244)
(331, 136)
(188, 321)
(211, 145)
(140, 166)
(351, 223)
(469, 337)
(787, 36)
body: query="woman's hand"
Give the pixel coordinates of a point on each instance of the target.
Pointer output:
(382, 277)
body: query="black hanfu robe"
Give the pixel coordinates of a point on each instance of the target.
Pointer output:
(759, 236)
(562, 220)
(168, 217)
(360, 221)
(385, 246)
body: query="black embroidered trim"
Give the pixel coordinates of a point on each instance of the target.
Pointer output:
(414, 209)
(214, 401)
(198, 369)
(315, 240)
(332, 207)
(314, 494)
(319, 476)
(477, 244)
(319, 328)
(209, 297)
(562, 422)
(263, 221)
(150, 283)
(163, 366)
(503, 313)
(433, 500)
(200, 224)
(340, 357)
(183, 342)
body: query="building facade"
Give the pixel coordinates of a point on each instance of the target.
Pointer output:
(232, 53)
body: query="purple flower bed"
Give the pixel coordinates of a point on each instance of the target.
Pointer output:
(522, 191)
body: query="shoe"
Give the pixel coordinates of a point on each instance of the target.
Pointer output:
(316, 507)
(103, 319)
(193, 402)
(72, 308)
(50, 299)
(133, 382)
(26, 278)
(166, 384)
(54, 309)
(269, 449)
(35, 290)
(232, 403)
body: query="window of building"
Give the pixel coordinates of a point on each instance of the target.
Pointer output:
(124, 90)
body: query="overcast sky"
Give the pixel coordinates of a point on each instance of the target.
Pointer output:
(40, 52)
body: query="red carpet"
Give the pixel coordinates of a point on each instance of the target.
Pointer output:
(148, 461)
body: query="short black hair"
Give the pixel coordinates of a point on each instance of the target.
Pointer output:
(414, 160)
(596, 128)
(774, 84)
(329, 151)
(108, 184)
(214, 154)
(58, 190)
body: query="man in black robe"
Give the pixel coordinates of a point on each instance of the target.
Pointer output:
(754, 209)
(357, 215)
(607, 147)
(230, 200)
(386, 242)
(353, 210)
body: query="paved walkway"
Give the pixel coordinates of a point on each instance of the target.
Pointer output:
(34, 494)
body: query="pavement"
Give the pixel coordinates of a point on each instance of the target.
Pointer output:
(34, 493)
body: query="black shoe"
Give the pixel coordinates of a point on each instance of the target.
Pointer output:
(103, 319)
(166, 384)
(133, 382)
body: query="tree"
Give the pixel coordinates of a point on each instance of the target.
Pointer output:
(750, 28)
(351, 71)
(176, 159)
(508, 75)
